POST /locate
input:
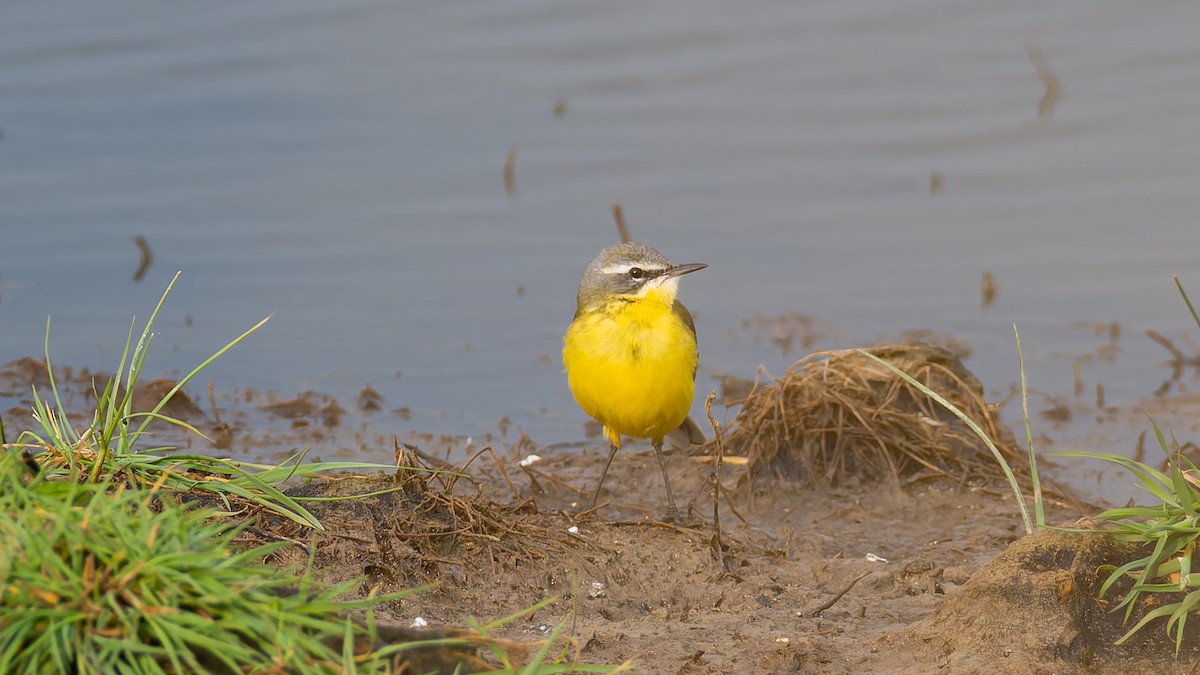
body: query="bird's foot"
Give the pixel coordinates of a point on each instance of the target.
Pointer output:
(672, 515)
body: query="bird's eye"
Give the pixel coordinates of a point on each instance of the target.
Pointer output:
(637, 273)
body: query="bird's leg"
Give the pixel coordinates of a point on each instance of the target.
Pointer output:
(612, 453)
(672, 512)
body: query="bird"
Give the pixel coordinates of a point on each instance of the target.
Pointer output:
(630, 352)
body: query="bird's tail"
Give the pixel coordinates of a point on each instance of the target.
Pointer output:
(687, 434)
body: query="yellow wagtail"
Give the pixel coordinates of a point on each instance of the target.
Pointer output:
(630, 351)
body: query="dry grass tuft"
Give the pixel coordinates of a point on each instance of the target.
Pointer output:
(838, 416)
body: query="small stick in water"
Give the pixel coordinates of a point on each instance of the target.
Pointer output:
(1052, 83)
(510, 173)
(147, 257)
(619, 216)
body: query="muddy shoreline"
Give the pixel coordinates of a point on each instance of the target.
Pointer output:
(884, 575)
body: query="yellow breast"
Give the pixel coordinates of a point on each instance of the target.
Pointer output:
(631, 365)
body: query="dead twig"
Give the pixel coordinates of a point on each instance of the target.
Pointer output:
(430, 459)
(1178, 361)
(1176, 354)
(554, 480)
(500, 465)
(212, 402)
(834, 600)
(712, 422)
(658, 523)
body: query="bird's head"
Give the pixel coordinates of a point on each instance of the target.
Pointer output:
(631, 271)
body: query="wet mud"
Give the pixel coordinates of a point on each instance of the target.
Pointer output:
(869, 578)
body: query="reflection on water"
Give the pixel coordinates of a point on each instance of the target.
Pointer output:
(342, 166)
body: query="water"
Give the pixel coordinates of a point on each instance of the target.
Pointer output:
(340, 165)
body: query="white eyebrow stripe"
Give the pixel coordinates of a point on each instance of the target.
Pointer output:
(622, 268)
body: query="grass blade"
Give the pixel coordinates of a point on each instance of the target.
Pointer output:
(1039, 512)
(532, 668)
(1186, 300)
(1012, 479)
(195, 371)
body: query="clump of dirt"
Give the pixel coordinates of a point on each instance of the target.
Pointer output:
(1035, 608)
(839, 415)
(78, 388)
(18, 376)
(148, 394)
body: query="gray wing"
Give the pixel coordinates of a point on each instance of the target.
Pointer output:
(685, 316)
(689, 432)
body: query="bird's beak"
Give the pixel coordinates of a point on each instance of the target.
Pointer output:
(680, 270)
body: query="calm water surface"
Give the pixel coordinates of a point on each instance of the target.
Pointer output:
(339, 165)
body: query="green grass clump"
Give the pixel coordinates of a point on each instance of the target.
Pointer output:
(1164, 578)
(108, 563)
(110, 448)
(1172, 526)
(98, 580)
(104, 567)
